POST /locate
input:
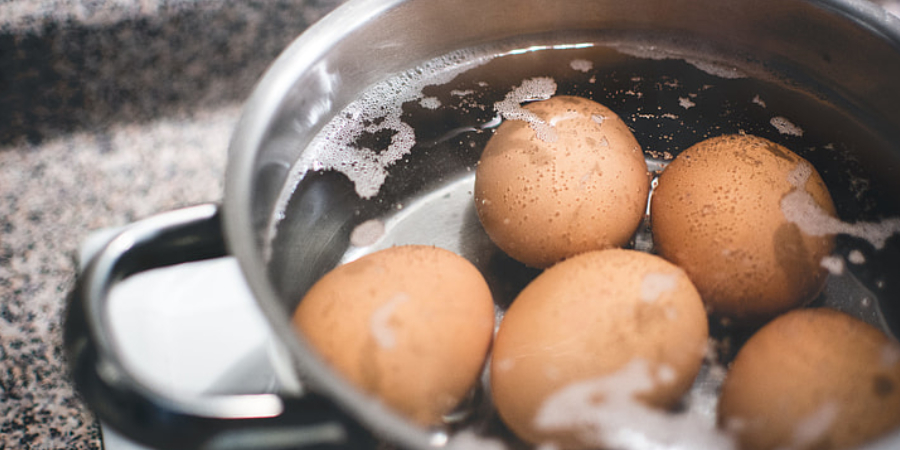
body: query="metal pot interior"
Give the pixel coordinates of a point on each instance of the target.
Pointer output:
(676, 72)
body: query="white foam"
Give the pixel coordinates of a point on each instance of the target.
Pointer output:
(799, 175)
(378, 109)
(581, 65)
(653, 52)
(430, 102)
(468, 440)
(603, 412)
(834, 264)
(759, 101)
(815, 426)
(379, 322)
(367, 233)
(539, 88)
(686, 102)
(799, 207)
(655, 284)
(856, 257)
(666, 374)
(785, 126)
(568, 115)
(716, 68)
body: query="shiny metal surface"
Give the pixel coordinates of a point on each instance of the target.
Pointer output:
(149, 415)
(847, 51)
(850, 47)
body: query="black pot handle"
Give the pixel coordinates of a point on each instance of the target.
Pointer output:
(263, 421)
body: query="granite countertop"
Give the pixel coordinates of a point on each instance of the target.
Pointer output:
(110, 111)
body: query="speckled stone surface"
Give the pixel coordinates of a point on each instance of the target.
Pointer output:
(109, 111)
(67, 65)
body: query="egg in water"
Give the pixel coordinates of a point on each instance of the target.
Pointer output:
(612, 328)
(567, 176)
(717, 213)
(813, 378)
(409, 325)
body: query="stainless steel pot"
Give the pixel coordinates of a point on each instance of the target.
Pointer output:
(843, 53)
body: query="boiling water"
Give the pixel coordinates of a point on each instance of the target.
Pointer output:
(398, 168)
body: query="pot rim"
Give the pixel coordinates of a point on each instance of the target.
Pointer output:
(259, 112)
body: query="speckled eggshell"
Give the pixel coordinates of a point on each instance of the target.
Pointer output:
(542, 198)
(410, 325)
(717, 213)
(812, 379)
(587, 318)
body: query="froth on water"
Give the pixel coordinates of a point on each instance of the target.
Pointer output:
(378, 160)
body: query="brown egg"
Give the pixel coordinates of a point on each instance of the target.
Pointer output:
(812, 379)
(571, 179)
(613, 325)
(717, 213)
(410, 325)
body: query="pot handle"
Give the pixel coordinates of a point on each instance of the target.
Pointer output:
(264, 421)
